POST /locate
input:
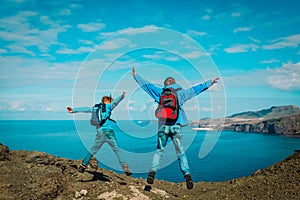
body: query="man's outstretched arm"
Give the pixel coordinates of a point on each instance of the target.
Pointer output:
(149, 88)
(197, 89)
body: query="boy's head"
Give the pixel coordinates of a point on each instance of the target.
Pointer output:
(106, 99)
(169, 81)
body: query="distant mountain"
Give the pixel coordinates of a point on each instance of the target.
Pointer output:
(270, 113)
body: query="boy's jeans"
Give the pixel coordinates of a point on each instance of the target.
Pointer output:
(104, 135)
(174, 132)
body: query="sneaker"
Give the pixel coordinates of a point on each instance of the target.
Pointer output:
(81, 168)
(150, 178)
(126, 170)
(189, 181)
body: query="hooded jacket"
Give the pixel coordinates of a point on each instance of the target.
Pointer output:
(183, 94)
(109, 107)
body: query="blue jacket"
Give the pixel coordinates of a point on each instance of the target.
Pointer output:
(109, 107)
(183, 94)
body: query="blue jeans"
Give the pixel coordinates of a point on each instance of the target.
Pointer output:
(174, 132)
(104, 135)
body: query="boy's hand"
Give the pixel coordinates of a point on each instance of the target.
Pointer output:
(69, 109)
(215, 80)
(123, 95)
(133, 73)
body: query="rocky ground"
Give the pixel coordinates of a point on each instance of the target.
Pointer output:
(36, 175)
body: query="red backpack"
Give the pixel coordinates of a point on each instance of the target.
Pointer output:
(167, 109)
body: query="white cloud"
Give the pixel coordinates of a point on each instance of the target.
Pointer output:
(17, 105)
(15, 48)
(152, 56)
(237, 48)
(208, 10)
(242, 29)
(283, 42)
(19, 1)
(3, 51)
(88, 42)
(130, 106)
(197, 33)
(115, 44)
(206, 17)
(173, 58)
(75, 6)
(91, 27)
(76, 51)
(161, 55)
(194, 54)
(31, 105)
(286, 77)
(22, 33)
(254, 40)
(143, 108)
(197, 108)
(214, 47)
(33, 72)
(145, 29)
(65, 12)
(270, 61)
(236, 14)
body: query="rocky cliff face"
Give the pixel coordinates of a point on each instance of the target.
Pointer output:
(36, 175)
(288, 126)
(283, 120)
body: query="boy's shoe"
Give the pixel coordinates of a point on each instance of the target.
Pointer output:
(189, 181)
(126, 170)
(81, 168)
(150, 178)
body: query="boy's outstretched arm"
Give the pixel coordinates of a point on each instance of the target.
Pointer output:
(118, 99)
(80, 109)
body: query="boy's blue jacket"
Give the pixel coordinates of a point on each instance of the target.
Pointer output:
(109, 107)
(183, 94)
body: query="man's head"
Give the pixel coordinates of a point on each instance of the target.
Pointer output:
(169, 81)
(106, 99)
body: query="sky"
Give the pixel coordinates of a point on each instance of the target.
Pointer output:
(56, 54)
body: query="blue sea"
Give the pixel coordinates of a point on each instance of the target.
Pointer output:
(213, 156)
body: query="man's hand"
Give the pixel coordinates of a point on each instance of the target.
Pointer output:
(215, 80)
(133, 73)
(69, 109)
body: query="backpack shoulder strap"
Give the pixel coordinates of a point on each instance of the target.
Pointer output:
(103, 110)
(172, 89)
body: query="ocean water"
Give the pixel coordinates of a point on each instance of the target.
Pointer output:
(227, 154)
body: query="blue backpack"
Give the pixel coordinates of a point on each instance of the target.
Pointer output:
(96, 119)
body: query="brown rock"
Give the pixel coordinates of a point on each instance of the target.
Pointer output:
(3, 152)
(34, 175)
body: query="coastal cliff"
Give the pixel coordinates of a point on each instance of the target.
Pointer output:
(287, 126)
(281, 120)
(37, 175)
